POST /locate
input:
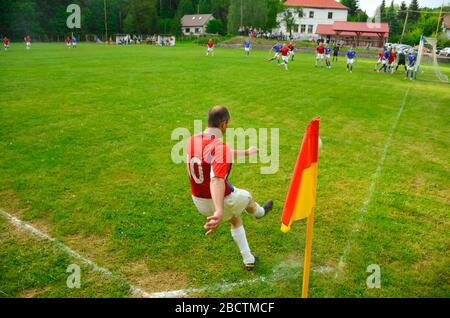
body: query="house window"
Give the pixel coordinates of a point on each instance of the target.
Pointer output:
(330, 15)
(296, 28)
(188, 30)
(197, 30)
(310, 29)
(303, 28)
(311, 14)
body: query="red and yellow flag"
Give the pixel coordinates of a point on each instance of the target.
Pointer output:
(301, 197)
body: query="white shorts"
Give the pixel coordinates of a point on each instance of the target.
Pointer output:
(384, 61)
(319, 56)
(285, 59)
(327, 56)
(276, 55)
(411, 68)
(350, 61)
(234, 204)
(28, 44)
(247, 49)
(210, 49)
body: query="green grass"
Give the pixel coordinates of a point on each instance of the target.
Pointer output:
(85, 144)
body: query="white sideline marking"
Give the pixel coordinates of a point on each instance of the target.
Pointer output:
(138, 292)
(368, 197)
(135, 291)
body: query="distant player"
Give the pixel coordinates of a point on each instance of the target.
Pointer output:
(210, 48)
(385, 60)
(247, 47)
(351, 54)
(320, 49)
(380, 60)
(412, 59)
(284, 53)
(276, 49)
(391, 61)
(209, 166)
(69, 42)
(5, 43)
(336, 49)
(327, 55)
(28, 42)
(74, 42)
(401, 60)
(291, 47)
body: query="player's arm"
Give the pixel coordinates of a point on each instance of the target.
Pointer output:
(244, 153)
(217, 188)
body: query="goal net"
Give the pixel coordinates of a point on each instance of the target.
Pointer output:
(427, 44)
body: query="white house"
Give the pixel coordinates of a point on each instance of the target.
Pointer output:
(315, 12)
(195, 24)
(446, 25)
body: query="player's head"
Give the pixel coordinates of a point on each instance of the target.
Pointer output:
(219, 117)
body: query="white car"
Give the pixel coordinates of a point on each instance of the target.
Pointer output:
(445, 51)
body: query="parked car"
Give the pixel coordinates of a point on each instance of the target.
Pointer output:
(445, 52)
(438, 50)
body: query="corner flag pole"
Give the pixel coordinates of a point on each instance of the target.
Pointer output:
(308, 249)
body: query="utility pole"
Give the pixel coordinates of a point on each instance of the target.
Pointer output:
(106, 22)
(439, 19)
(404, 26)
(242, 14)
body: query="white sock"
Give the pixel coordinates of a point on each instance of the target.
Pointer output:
(241, 241)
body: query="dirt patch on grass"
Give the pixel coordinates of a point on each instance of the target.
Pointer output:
(93, 247)
(139, 274)
(9, 201)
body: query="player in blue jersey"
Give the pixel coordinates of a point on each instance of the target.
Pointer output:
(412, 59)
(74, 42)
(276, 48)
(247, 47)
(385, 60)
(328, 55)
(351, 54)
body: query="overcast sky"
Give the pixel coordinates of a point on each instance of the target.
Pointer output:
(370, 5)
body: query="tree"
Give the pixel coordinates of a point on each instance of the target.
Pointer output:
(353, 6)
(414, 13)
(289, 18)
(401, 15)
(185, 7)
(215, 26)
(394, 26)
(205, 6)
(383, 11)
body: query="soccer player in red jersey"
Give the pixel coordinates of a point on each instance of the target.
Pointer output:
(28, 42)
(291, 47)
(380, 60)
(209, 165)
(320, 54)
(391, 61)
(284, 52)
(6, 43)
(69, 42)
(210, 49)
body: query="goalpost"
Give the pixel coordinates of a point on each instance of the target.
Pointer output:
(433, 43)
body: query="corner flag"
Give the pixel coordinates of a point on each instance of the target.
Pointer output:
(301, 197)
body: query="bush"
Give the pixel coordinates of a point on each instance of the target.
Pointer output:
(215, 26)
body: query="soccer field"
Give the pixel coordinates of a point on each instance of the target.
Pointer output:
(85, 144)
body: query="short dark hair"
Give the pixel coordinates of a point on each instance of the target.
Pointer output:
(218, 115)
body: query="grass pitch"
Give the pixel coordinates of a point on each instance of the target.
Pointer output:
(85, 144)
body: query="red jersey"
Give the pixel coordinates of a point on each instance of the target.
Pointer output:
(291, 47)
(28, 39)
(320, 49)
(68, 40)
(392, 57)
(5, 41)
(208, 157)
(210, 44)
(381, 54)
(284, 51)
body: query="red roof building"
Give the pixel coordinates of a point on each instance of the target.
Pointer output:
(356, 33)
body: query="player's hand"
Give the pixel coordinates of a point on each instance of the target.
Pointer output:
(251, 151)
(213, 222)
